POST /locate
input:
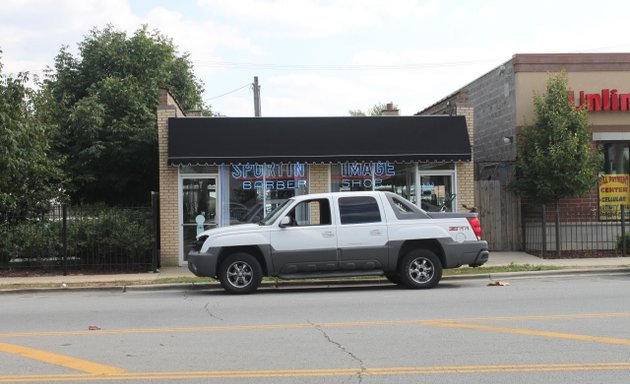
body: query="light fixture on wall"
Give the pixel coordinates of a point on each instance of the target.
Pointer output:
(508, 139)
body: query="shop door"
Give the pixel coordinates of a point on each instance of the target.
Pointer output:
(437, 192)
(199, 208)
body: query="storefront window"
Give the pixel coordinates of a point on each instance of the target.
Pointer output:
(378, 176)
(256, 189)
(403, 183)
(616, 158)
(614, 181)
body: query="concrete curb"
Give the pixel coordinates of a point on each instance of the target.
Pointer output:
(321, 284)
(536, 274)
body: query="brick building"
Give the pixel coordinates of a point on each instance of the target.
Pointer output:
(218, 171)
(502, 101)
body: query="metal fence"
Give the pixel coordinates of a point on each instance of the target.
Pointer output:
(81, 239)
(574, 234)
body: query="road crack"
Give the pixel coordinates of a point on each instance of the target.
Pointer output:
(210, 313)
(340, 346)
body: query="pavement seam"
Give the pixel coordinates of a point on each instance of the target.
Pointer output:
(123, 287)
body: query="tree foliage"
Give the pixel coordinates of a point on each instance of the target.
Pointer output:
(104, 104)
(30, 177)
(376, 110)
(555, 156)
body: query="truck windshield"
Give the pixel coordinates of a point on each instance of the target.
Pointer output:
(273, 215)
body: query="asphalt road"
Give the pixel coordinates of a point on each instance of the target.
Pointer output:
(536, 330)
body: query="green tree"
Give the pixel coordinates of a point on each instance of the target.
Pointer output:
(104, 104)
(375, 110)
(556, 158)
(30, 177)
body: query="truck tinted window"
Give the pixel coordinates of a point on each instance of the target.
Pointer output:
(359, 209)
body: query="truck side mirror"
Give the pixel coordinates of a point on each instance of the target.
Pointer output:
(286, 221)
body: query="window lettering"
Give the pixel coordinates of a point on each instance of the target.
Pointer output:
(276, 176)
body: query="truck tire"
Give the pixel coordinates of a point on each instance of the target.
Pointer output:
(240, 273)
(420, 269)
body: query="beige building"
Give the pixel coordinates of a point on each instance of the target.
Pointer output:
(502, 101)
(218, 171)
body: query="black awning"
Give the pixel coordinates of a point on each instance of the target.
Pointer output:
(218, 140)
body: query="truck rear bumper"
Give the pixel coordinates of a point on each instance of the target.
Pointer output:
(473, 253)
(481, 258)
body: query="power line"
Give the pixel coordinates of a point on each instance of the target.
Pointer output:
(333, 67)
(227, 93)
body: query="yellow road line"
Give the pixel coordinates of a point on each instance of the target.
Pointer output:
(296, 373)
(542, 317)
(60, 360)
(309, 326)
(529, 332)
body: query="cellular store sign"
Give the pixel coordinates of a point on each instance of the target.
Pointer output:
(276, 176)
(606, 100)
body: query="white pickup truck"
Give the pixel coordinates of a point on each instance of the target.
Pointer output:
(337, 235)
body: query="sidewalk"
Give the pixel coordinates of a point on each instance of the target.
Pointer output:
(119, 280)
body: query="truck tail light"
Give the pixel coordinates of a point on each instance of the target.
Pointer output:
(476, 226)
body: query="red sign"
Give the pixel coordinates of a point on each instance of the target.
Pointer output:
(607, 100)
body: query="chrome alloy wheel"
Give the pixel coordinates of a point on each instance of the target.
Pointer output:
(421, 270)
(240, 274)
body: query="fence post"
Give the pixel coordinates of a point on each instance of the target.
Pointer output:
(523, 232)
(558, 251)
(64, 235)
(155, 208)
(544, 231)
(623, 230)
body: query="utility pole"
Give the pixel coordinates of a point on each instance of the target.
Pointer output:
(256, 97)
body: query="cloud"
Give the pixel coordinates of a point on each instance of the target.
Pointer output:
(33, 31)
(322, 57)
(316, 94)
(316, 19)
(198, 36)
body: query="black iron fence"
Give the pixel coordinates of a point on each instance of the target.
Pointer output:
(67, 239)
(572, 234)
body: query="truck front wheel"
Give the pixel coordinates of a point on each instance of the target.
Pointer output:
(420, 269)
(240, 273)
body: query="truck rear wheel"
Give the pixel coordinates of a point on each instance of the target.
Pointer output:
(240, 273)
(420, 269)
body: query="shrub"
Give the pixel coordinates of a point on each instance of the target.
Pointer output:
(111, 236)
(97, 236)
(620, 243)
(33, 240)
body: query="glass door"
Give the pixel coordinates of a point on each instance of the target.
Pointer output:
(437, 192)
(199, 202)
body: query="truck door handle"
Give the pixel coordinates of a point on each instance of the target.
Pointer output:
(375, 232)
(328, 234)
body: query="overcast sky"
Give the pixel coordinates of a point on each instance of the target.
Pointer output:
(323, 58)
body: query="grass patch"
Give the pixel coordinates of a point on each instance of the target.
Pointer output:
(182, 280)
(499, 269)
